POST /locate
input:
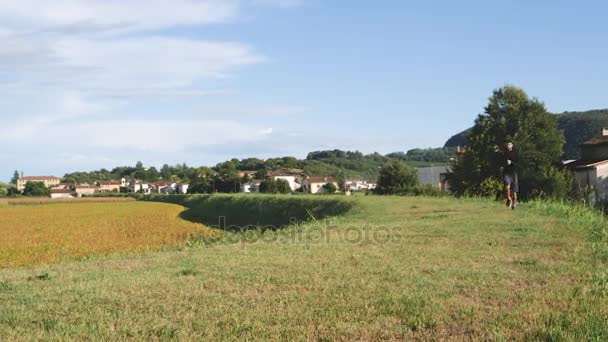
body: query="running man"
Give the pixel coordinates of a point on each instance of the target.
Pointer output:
(509, 175)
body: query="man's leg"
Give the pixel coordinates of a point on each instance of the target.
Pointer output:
(508, 193)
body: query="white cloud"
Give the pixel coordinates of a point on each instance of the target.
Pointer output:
(102, 15)
(152, 62)
(144, 135)
(65, 65)
(279, 3)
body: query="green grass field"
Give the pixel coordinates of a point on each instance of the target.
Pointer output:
(390, 268)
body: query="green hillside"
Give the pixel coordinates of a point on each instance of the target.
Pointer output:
(578, 127)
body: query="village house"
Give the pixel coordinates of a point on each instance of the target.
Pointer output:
(108, 186)
(358, 185)
(169, 188)
(289, 178)
(82, 190)
(62, 191)
(253, 186)
(48, 181)
(434, 175)
(139, 186)
(591, 171)
(71, 191)
(314, 185)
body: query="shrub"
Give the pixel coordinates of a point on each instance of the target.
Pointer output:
(271, 186)
(396, 178)
(491, 187)
(329, 188)
(37, 189)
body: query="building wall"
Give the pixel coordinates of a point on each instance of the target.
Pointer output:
(61, 195)
(315, 188)
(47, 182)
(593, 180)
(85, 191)
(290, 179)
(110, 188)
(183, 188)
(602, 181)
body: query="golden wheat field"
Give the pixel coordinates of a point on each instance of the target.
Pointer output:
(38, 234)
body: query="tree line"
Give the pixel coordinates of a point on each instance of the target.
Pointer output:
(510, 116)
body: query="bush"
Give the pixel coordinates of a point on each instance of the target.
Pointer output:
(270, 186)
(35, 189)
(558, 184)
(396, 178)
(491, 187)
(3, 190)
(329, 188)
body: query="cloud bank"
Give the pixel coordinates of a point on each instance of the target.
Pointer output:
(74, 74)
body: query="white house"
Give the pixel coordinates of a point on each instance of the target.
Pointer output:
(314, 185)
(291, 179)
(109, 186)
(85, 190)
(62, 191)
(358, 185)
(140, 186)
(182, 188)
(253, 186)
(591, 171)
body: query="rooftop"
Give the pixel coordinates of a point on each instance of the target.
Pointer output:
(583, 164)
(322, 180)
(39, 178)
(61, 191)
(596, 141)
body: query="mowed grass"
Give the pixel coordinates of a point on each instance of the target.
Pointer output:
(392, 269)
(36, 234)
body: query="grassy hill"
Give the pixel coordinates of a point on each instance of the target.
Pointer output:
(390, 268)
(578, 127)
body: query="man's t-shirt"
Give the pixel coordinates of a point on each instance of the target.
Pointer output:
(509, 167)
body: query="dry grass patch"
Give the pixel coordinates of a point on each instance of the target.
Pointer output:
(36, 234)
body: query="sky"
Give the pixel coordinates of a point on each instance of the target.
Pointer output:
(90, 84)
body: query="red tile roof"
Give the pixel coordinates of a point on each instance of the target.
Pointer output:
(39, 178)
(61, 191)
(596, 141)
(86, 187)
(322, 180)
(583, 164)
(109, 183)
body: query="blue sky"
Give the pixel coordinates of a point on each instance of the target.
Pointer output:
(96, 83)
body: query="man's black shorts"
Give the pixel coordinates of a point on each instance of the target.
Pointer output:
(512, 180)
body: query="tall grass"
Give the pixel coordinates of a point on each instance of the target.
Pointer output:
(590, 219)
(243, 212)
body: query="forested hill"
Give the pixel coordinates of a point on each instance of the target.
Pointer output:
(578, 127)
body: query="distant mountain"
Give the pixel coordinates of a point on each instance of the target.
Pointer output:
(578, 127)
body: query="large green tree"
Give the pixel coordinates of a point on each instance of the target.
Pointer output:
(511, 116)
(271, 186)
(15, 178)
(36, 189)
(396, 178)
